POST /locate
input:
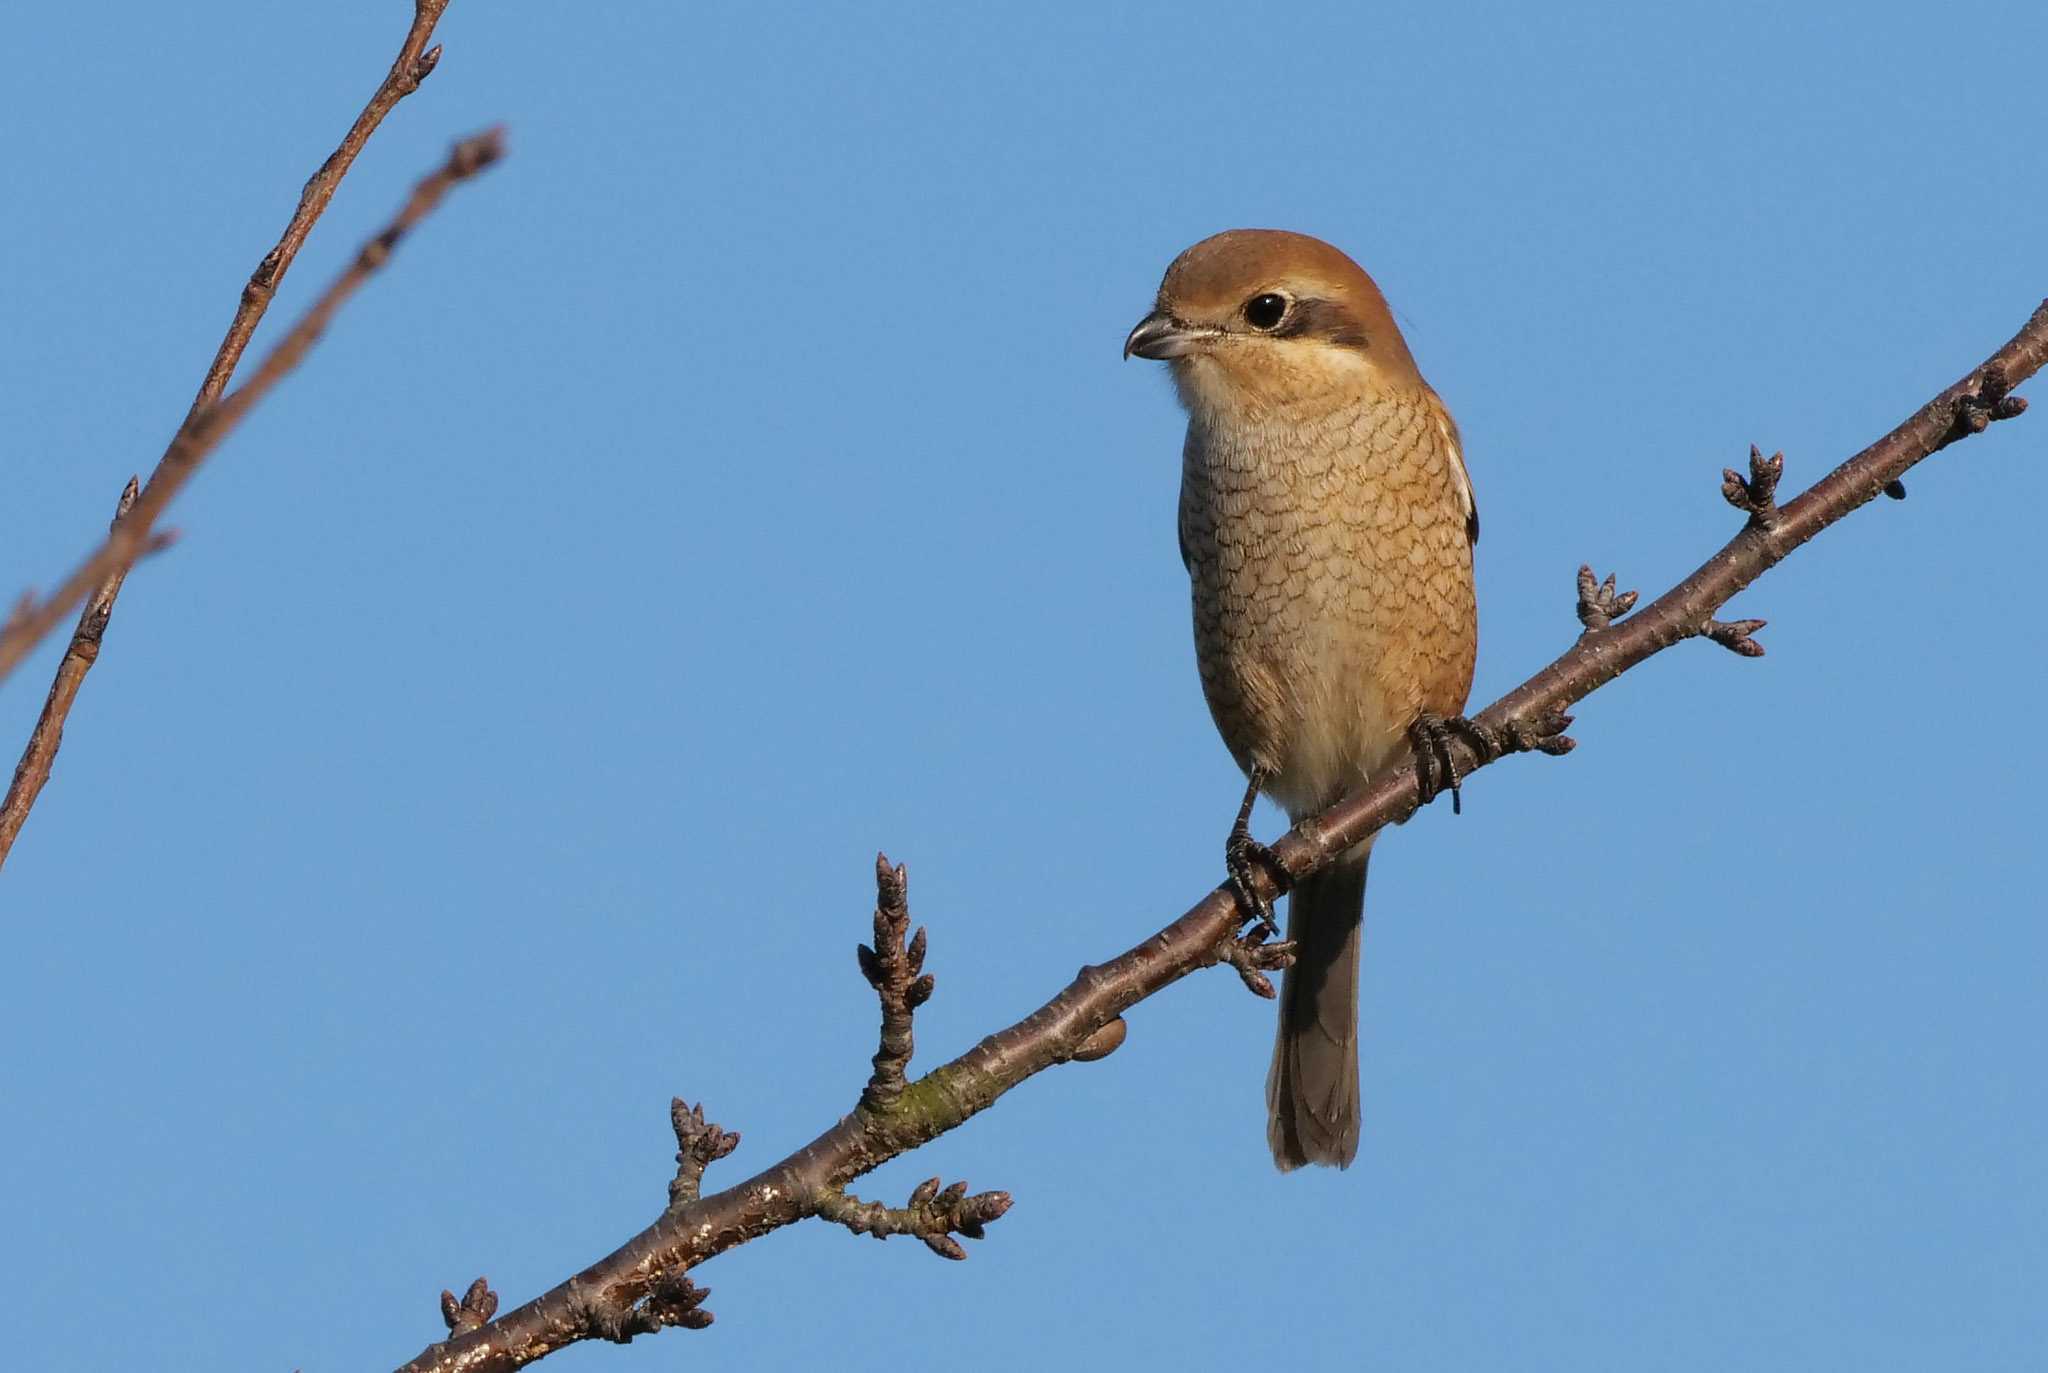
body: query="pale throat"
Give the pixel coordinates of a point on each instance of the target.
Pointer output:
(1262, 381)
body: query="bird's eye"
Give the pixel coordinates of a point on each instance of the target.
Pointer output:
(1265, 311)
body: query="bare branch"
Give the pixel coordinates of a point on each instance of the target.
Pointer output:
(699, 1144)
(203, 432)
(933, 1216)
(414, 61)
(812, 1180)
(894, 967)
(48, 735)
(1684, 611)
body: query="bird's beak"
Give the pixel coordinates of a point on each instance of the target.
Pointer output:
(1161, 336)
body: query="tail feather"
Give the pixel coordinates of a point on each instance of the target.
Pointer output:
(1312, 1090)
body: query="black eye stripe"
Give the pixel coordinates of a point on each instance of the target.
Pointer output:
(1324, 319)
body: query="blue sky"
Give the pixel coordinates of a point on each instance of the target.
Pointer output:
(743, 478)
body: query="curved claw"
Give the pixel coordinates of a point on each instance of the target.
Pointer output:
(1241, 852)
(1436, 766)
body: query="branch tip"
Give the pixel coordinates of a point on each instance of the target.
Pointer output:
(932, 1215)
(1757, 494)
(1600, 605)
(699, 1144)
(472, 1311)
(472, 154)
(894, 966)
(1990, 402)
(1544, 733)
(1734, 635)
(213, 414)
(676, 1301)
(671, 1301)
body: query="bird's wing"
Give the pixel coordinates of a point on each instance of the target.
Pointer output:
(1449, 429)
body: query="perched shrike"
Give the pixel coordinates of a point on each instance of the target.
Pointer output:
(1327, 524)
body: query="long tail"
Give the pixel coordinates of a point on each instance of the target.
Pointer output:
(1312, 1091)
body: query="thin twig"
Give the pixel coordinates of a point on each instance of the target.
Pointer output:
(205, 430)
(48, 736)
(894, 967)
(1530, 716)
(414, 61)
(932, 1215)
(699, 1144)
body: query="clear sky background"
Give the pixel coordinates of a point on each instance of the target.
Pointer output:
(743, 478)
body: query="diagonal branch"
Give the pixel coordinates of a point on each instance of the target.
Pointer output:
(48, 735)
(1687, 610)
(1064, 1028)
(204, 431)
(412, 65)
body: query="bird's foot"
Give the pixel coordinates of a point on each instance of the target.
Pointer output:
(1436, 764)
(1254, 955)
(1242, 853)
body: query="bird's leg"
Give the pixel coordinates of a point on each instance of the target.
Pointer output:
(1241, 851)
(1436, 767)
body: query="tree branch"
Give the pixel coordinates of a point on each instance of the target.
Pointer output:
(699, 1144)
(894, 967)
(48, 736)
(614, 1294)
(933, 1216)
(412, 65)
(204, 431)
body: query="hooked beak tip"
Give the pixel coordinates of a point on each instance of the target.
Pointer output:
(1159, 336)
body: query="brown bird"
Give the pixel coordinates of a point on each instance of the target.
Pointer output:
(1327, 524)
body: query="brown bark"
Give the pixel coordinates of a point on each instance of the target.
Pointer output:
(636, 1288)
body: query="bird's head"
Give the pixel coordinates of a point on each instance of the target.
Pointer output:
(1263, 315)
